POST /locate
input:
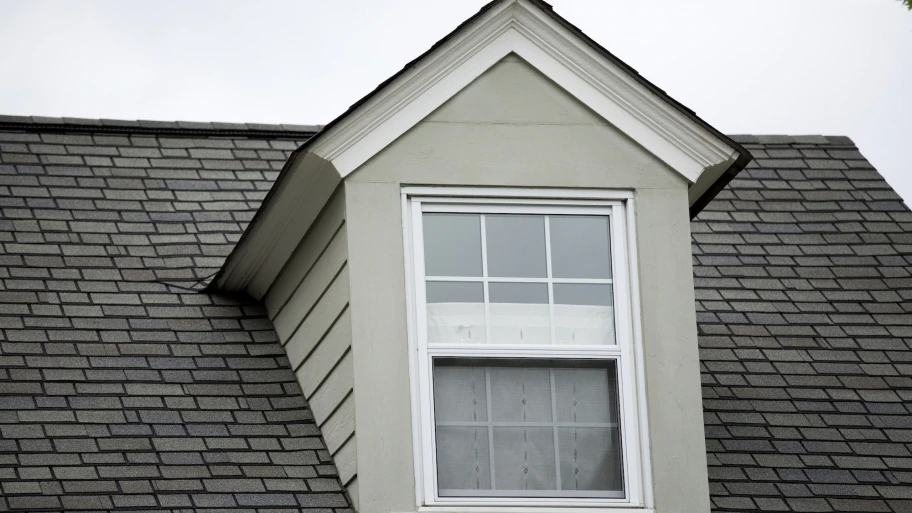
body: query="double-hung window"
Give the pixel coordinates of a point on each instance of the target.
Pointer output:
(525, 379)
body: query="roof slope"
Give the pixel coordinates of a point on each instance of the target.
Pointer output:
(804, 302)
(118, 390)
(122, 386)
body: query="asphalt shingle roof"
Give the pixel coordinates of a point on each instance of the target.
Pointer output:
(123, 386)
(804, 303)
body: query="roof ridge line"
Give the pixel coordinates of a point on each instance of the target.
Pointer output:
(772, 139)
(69, 125)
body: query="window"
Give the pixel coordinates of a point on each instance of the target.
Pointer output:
(525, 371)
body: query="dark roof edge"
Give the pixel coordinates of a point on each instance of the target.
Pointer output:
(171, 128)
(784, 139)
(744, 157)
(742, 161)
(773, 139)
(396, 75)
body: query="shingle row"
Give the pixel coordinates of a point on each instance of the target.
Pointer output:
(163, 207)
(74, 124)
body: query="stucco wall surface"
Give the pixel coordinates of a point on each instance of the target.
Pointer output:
(513, 127)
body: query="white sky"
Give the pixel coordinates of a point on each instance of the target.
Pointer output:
(832, 67)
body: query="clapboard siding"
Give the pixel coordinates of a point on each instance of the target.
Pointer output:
(318, 321)
(311, 289)
(333, 390)
(303, 258)
(308, 305)
(340, 426)
(323, 358)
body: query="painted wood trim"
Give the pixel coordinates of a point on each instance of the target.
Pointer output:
(513, 26)
(320, 319)
(631, 398)
(279, 226)
(333, 390)
(519, 27)
(316, 367)
(340, 426)
(312, 287)
(306, 255)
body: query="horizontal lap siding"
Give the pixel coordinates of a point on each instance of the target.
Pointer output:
(308, 305)
(307, 253)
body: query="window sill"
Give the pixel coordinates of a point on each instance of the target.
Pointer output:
(601, 508)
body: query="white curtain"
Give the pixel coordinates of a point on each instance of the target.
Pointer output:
(519, 323)
(529, 424)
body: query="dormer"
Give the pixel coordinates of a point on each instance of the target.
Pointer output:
(481, 275)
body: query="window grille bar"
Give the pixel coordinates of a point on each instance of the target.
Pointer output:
(557, 466)
(528, 424)
(490, 427)
(507, 279)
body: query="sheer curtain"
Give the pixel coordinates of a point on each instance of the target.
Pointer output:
(527, 428)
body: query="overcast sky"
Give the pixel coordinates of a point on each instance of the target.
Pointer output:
(832, 67)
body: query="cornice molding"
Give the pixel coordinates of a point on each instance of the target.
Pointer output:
(518, 27)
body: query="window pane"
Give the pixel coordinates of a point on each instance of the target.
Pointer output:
(455, 312)
(521, 394)
(452, 244)
(516, 246)
(586, 394)
(454, 292)
(519, 313)
(583, 294)
(460, 398)
(524, 458)
(463, 461)
(522, 430)
(590, 455)
(590, 459)
(460, 394)
(579, 247)
(583, 313)
(530, 293)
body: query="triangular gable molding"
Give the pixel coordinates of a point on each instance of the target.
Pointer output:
(517, 26)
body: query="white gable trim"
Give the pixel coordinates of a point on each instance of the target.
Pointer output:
(510, 26)
(519, 27)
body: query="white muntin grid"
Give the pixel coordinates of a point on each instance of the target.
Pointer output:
(614, 205)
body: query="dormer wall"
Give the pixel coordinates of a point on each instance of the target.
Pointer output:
(513, 127)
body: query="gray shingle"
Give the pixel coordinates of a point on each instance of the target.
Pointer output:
(98, 399)
(801, 275)
(824, 379)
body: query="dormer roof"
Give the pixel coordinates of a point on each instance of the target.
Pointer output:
(531, 29)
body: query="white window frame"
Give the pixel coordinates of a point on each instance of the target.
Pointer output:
(627, 352)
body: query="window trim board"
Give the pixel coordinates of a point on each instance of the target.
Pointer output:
(637, 469)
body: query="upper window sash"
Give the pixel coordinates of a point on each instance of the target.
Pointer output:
(614, 280)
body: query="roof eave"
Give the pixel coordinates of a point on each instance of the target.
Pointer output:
(744, 158)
